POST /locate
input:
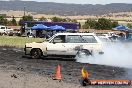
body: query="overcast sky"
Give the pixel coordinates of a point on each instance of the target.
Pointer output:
(86, 1)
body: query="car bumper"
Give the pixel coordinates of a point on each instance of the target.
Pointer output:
(27, 50)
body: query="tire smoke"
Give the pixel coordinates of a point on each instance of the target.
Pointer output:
(115, 54)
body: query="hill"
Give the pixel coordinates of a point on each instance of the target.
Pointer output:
(65, 9)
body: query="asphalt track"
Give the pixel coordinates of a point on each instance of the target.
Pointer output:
(14, 59)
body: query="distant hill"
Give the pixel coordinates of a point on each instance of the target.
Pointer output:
(65, 9)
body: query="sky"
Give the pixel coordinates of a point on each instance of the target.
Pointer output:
(85, 1)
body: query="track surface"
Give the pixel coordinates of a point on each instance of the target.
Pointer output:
(14, 59)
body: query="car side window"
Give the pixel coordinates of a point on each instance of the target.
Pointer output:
(2, 27)
(59, 39)
(89, 39)
(74, 39)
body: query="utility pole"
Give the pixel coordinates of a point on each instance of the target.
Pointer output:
(24, 10)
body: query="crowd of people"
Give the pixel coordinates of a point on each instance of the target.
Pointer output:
(111, 36)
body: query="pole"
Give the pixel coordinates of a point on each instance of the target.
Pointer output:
(24, 10)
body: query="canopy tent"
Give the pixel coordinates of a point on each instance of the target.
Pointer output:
(121, 28)
(57, 27)
(39, 27)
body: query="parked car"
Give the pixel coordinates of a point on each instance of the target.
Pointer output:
(110, 36)
(65, 44)
(5, 31)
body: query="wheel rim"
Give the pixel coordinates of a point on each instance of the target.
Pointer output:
(35, 54)
(81, 54)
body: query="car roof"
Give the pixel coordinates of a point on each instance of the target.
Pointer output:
(75, 34)
(2, 26)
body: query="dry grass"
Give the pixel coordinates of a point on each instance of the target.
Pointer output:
(19, 42)
(99, 31)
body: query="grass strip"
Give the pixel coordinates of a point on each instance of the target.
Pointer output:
(18, 42)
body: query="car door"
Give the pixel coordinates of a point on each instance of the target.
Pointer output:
(64, 45)
(90, 42)
(57, 46)
(73, 44)
(77, 42)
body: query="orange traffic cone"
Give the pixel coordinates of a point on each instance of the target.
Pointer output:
(57, 75)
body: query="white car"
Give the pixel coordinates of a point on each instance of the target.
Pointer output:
(5, 30)
(110, 36)
(65, 44)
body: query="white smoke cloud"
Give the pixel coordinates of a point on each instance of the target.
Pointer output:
(115, 54)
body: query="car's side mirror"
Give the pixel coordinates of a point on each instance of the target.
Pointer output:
(54, 42)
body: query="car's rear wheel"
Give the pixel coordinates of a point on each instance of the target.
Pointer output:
(82, 53)
(36, 53)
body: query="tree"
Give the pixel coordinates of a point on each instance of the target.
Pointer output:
(42, 19)
(114, 24)
(129, 25)
(85, 26)
(3, 21)
(13, 21)
(104, 24)
(89, 24)
(56, 19)
(74, 20)
(27, 18)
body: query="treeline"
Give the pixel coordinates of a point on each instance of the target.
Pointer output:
(100, 24)
(13, 22)
(4, 21)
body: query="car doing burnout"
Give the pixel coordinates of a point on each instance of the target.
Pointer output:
(65, 44)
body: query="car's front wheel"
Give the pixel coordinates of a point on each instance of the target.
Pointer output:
(36, 53)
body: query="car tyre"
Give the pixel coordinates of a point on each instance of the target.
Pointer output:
(36, 53)
(82, 53)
